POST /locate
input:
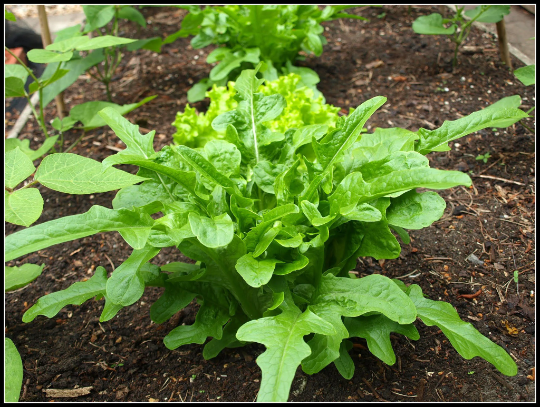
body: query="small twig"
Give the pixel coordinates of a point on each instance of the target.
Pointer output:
(499, 179)
(110, 261)
(368, 384)
(404, 395)
(470, 296)
(439, 258)
(407, 275)
(511, 221)
(501, 380)
(485, 169)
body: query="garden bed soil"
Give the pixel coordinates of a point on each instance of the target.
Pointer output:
(125, 359)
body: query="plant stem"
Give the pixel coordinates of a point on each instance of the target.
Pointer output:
(75, 142)
(34, 182)
(527, 127)
(22, 64)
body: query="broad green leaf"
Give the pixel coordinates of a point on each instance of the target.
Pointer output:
(136, 143)
(17, 71)
(212, 232)
(204, 167)
(228, 340)
(343, 296)
(17, 277)
(313, 43)
(265, 174)
(298, 263)
(467, 341)
(208, 322)
(76, 68)
(231, 61)
(294, 241)
(198, 91)
(344, 362)
(110, 309)
(17, 167)
(129, 13)
(97, 16)
(305, 134)
(63, 125)
(526, 75)
(376, 330)
(253, 109)
(266, 239)
(171, 301)
(103, 42)
(68, 44)
(432, 24)
(415, 211)
(51, 304)
(152, 44)
(74, 174)
(224, 156)
(13, 369)
(492, 116)
(285, 347)
(493, 13)
(14, 87)
(42, 56)
(23, 207)
(256, 272)
(313, 214)
(402, 233)
(334, 144)
(378, 240)
(133, 226)
(67, 33)
(87, 113)
(126, 284)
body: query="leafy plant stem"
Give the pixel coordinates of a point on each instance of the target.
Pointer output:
(465, 30)
(40, 122)
(22, 64)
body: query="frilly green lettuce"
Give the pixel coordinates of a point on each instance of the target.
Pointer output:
(303, 108)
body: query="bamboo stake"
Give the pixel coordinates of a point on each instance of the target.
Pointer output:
(46, 38)
(503, 44)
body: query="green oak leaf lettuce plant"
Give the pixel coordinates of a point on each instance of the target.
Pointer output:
(249, 34)
(274, 222)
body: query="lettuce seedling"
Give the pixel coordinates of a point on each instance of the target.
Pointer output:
(303, 108)
(274, 222)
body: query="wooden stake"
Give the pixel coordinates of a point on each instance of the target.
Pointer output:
(503, 43)
(46, 38)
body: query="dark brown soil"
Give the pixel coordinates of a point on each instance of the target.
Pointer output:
(125, 359)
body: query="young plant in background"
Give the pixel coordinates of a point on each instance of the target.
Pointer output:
(458, 27)
(100, 61)
(484, 157)
(303, 108)
(248, 34)
(274, 222)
